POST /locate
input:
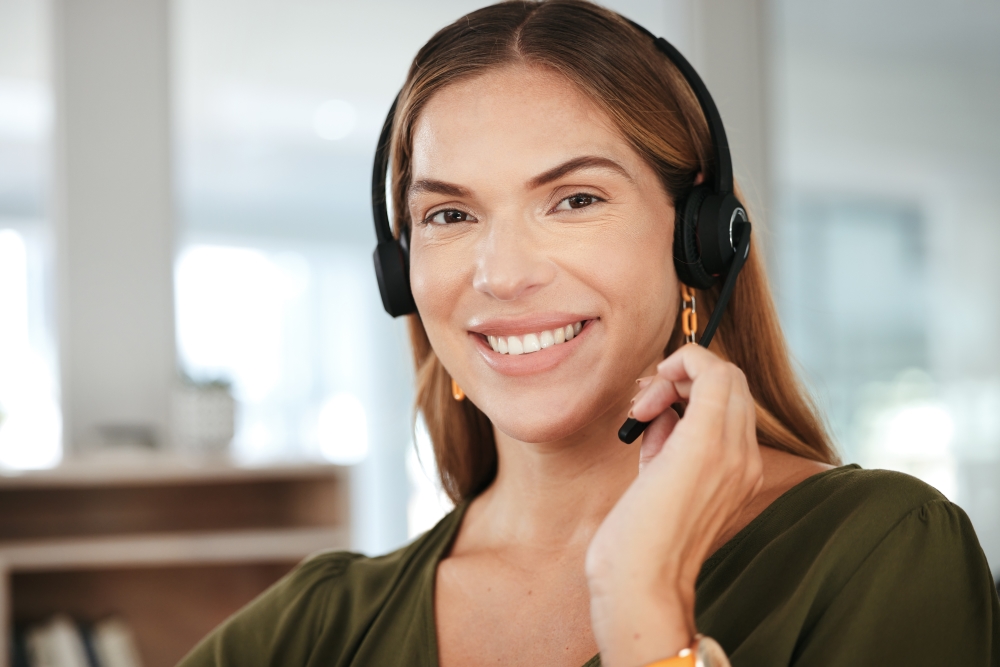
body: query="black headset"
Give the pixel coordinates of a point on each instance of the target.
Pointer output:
(711, 228)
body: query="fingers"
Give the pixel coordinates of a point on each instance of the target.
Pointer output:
(687, 363)
(653, 399)
(719, 416)
(656, 435)
(719, 421)
(680, 369)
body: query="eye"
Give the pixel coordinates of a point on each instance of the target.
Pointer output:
(449, 216)
(579, 200)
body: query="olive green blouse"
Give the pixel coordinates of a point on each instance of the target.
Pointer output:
(850, 567)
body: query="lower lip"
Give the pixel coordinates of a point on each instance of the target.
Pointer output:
(533, 362)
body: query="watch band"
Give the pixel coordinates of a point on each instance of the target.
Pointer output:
(683, 659)
(704, 652)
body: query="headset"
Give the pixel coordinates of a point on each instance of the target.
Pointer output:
(711, 227)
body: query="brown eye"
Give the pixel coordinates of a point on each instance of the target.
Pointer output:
(579, 200)
(449, 216)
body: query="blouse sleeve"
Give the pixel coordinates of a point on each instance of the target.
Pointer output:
(923, 596)
(281, 626)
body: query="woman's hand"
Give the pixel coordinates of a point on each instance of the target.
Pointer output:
(697, 474)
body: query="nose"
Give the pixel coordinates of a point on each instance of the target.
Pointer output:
(510, 263)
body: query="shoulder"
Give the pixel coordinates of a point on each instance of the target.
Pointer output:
(874, 507)
(849, 497)
(829, 523)
(897, 519)
(908, 578)
(330, 594)
(846, 565)
(852, 511)
(885, 487)
(834, 524)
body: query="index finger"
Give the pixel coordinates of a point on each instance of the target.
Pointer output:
(687, 364)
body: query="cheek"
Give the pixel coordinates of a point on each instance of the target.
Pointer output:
(436, 279)
(635, 273)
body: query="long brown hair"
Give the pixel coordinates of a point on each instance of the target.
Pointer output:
(652, 106)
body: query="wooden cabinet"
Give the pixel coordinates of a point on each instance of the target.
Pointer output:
(172, 548)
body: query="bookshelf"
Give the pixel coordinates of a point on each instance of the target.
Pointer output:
(172, 547)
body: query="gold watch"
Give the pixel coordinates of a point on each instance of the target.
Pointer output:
(704, 652)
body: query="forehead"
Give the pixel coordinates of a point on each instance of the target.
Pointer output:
(517, 119)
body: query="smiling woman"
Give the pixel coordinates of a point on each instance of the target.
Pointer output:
(543, 154)
(596, 160)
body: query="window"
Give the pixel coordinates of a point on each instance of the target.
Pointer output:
(885, 147)
(291, 330)
(30, 419)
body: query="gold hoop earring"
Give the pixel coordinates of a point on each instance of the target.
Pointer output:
(456, 391)
(689, 316)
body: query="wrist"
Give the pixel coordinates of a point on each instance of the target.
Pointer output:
(637, 628)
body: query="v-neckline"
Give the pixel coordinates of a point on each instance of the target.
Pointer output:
(458, 514)
(430, 584)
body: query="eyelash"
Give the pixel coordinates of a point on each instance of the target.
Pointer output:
(587, 195)
(595, 200)
(429, 220)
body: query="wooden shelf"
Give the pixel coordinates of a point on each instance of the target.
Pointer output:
(239, 546)
(173, 546)
(159, 469)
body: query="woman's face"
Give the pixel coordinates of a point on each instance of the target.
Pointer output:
(531, 217)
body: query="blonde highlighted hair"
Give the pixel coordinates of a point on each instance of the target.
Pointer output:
(652, 106)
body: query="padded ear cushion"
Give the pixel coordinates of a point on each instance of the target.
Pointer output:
(687, 254)
(393, 274)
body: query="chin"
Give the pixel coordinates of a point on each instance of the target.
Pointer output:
(537, 420)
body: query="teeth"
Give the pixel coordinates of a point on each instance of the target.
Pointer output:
(514, 345)
(534, 342)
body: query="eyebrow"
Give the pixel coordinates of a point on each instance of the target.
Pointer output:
(436, 187)
(577, 164)
(429, 185)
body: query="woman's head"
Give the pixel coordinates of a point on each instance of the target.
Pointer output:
(538, 152)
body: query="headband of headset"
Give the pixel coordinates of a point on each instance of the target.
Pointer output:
(710, 229)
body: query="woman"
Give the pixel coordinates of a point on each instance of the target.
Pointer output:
(539, 150)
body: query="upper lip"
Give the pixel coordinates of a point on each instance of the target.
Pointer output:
(518, 326)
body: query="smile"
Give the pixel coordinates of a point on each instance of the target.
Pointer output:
(534, 342)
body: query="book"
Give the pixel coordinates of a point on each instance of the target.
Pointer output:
(57, 643)
(19, 651)
(114, 644)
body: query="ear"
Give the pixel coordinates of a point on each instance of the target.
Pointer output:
(700, 178)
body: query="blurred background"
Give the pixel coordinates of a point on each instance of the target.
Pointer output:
(199, 386)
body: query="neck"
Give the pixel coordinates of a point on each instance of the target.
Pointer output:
(555, 495)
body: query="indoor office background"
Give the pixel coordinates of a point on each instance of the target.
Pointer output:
(184, 210)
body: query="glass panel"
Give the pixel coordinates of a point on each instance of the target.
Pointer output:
(887, 152)
(30, 418)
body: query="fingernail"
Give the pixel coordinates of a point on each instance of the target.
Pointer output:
(630, 415)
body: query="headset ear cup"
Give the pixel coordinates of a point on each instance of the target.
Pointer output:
(687, 254)
(393, 274)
